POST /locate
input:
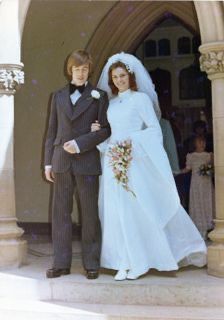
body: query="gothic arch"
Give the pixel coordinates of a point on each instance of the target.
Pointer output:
(114, 34)
(127, 23)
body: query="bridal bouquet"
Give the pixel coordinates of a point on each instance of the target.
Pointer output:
(206, 170)
(120, 156)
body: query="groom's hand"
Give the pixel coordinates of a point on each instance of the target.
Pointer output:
(70, 146)
(49, 175)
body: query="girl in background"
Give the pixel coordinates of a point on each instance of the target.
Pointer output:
(201, 206)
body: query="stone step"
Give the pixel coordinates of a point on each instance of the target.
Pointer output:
(189, 288)
(192, 287)
(36, 310)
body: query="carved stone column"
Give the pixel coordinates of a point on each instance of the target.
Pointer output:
(12, 248)
(212, 62)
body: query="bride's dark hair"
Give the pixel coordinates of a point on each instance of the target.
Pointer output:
(132, 80)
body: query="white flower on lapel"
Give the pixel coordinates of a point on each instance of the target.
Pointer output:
(95, 94)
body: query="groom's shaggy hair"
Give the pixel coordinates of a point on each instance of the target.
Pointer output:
(132, 80)
(77, 58)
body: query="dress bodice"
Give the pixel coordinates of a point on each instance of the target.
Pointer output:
(196, 159)
(123, 115)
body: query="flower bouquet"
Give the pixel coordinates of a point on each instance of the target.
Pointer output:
(206, 170)
(120, 156)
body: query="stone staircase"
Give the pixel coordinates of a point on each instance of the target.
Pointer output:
(26, 294)
(71, 311)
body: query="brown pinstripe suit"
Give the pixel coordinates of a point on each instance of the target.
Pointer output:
(82, 170)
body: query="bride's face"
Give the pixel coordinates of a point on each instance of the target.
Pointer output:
(120, 79)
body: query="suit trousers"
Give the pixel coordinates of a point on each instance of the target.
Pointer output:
(87, 190)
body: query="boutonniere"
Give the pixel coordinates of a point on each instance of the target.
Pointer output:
(95, 94)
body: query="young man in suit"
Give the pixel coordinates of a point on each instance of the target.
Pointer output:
(72, 160)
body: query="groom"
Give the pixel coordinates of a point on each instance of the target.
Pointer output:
(73, 161)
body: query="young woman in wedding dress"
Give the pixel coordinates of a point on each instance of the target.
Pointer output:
(143, 223)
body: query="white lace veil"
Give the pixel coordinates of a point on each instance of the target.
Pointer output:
(143, 79)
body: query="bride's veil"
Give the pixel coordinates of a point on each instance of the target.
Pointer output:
(143, 79)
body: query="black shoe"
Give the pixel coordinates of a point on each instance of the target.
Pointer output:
(92, 274)
(55, 273)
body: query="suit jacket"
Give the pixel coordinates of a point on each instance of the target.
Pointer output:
(69, 122)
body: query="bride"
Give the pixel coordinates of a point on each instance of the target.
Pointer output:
(143, 223)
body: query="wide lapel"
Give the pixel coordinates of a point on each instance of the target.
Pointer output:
(65, 102)
(83, 103)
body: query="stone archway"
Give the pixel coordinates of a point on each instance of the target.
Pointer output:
(114, 34)
(128, 23)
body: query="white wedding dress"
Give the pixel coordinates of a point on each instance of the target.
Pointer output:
(151, 230)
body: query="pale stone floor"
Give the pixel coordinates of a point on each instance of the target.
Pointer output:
(26, 294)
(39, 259)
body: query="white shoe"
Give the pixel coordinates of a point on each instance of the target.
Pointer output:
(121, 275)
(131, 275)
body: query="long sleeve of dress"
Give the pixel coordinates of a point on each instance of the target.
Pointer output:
(151, 141)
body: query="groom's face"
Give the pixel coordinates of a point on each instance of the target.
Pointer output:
(80, 74)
